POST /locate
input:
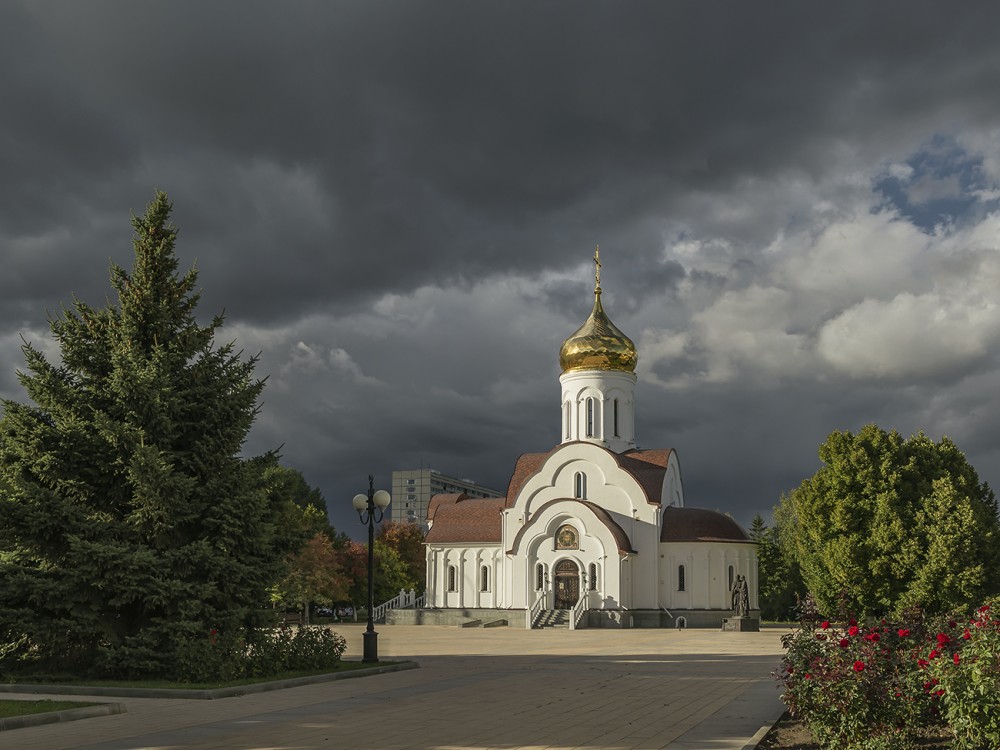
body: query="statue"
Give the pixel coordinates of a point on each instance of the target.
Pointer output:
(741, 597)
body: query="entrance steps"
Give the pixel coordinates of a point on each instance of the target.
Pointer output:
(552, 618)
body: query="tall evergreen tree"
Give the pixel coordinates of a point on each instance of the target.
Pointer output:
(131, 527)
(779, 581)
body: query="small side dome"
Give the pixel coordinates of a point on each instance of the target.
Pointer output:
(700, 525)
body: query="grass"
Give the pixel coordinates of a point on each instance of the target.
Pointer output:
(344, 666)
(9, 708)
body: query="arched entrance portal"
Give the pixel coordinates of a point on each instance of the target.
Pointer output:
(567, 586)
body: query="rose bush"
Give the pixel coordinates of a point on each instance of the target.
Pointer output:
(871, 686)
(854, 686)
(964, 674)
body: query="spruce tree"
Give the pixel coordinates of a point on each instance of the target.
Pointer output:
(134, 538)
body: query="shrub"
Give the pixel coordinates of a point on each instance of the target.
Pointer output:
(853, 685)
(286, 649)
(222, 657)
(961, 668)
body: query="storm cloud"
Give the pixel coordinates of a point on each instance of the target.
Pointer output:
(396, 204)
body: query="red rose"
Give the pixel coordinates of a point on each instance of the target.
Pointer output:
(825, 624)
(903, 632)
(966, 635)
(852, 621)
(956, 658)
(942, 639)
(952, 624)
(859, 666)
(844, 643)
(933, 654)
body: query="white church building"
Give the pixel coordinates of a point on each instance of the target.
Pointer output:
(594, 532)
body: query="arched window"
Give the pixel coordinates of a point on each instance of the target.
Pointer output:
(590, 417)
(566, 413)
(617, 433)
(452, 578)
(580, 485)
(593, 577)
(484, 578)
(680, 578)
(539, 577)
(731, 578)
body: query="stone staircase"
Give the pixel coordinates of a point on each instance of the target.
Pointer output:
(552, 618)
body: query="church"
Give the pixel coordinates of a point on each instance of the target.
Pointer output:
(595, 532)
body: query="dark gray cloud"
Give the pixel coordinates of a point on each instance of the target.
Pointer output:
(396, 203)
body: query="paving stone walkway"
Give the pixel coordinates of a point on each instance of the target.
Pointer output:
(477, 689)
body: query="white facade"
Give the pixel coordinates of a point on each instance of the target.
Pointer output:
(593, 519)
(599, 407)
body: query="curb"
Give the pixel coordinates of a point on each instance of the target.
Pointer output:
(762, 733)
(56, 717)
(228, 692)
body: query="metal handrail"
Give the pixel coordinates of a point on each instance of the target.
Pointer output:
(403, 600)
(533, 611)
(578, 611)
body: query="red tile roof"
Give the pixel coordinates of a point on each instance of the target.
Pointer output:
(700, 525)
(463, 519)
(646, 467)
(526, 465)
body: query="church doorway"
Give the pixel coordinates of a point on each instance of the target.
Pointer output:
(567, 584)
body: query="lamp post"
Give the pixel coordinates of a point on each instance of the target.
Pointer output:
(370, 508)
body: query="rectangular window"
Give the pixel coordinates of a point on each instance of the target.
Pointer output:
(616, 419)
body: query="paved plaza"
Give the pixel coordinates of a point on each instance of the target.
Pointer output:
(476, 689)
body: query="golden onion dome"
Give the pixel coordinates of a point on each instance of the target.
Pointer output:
(598, 344)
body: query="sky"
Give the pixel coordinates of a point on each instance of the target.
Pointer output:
(396, 204)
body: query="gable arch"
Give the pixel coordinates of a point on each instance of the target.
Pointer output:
(599, 533)
(608, 483)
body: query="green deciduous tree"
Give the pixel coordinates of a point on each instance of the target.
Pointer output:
(408, 541)
(390, 573)
(131, 526)
(302, 507)
(889, 523)
(314, 576)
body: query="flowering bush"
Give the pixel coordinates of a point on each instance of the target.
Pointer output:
(870, 686)
(854, 686)
(962, 670)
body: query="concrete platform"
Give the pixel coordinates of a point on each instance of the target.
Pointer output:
(508, 689)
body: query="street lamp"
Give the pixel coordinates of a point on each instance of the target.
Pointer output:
(370, 508)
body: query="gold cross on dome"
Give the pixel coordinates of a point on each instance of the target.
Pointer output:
(597, 269)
